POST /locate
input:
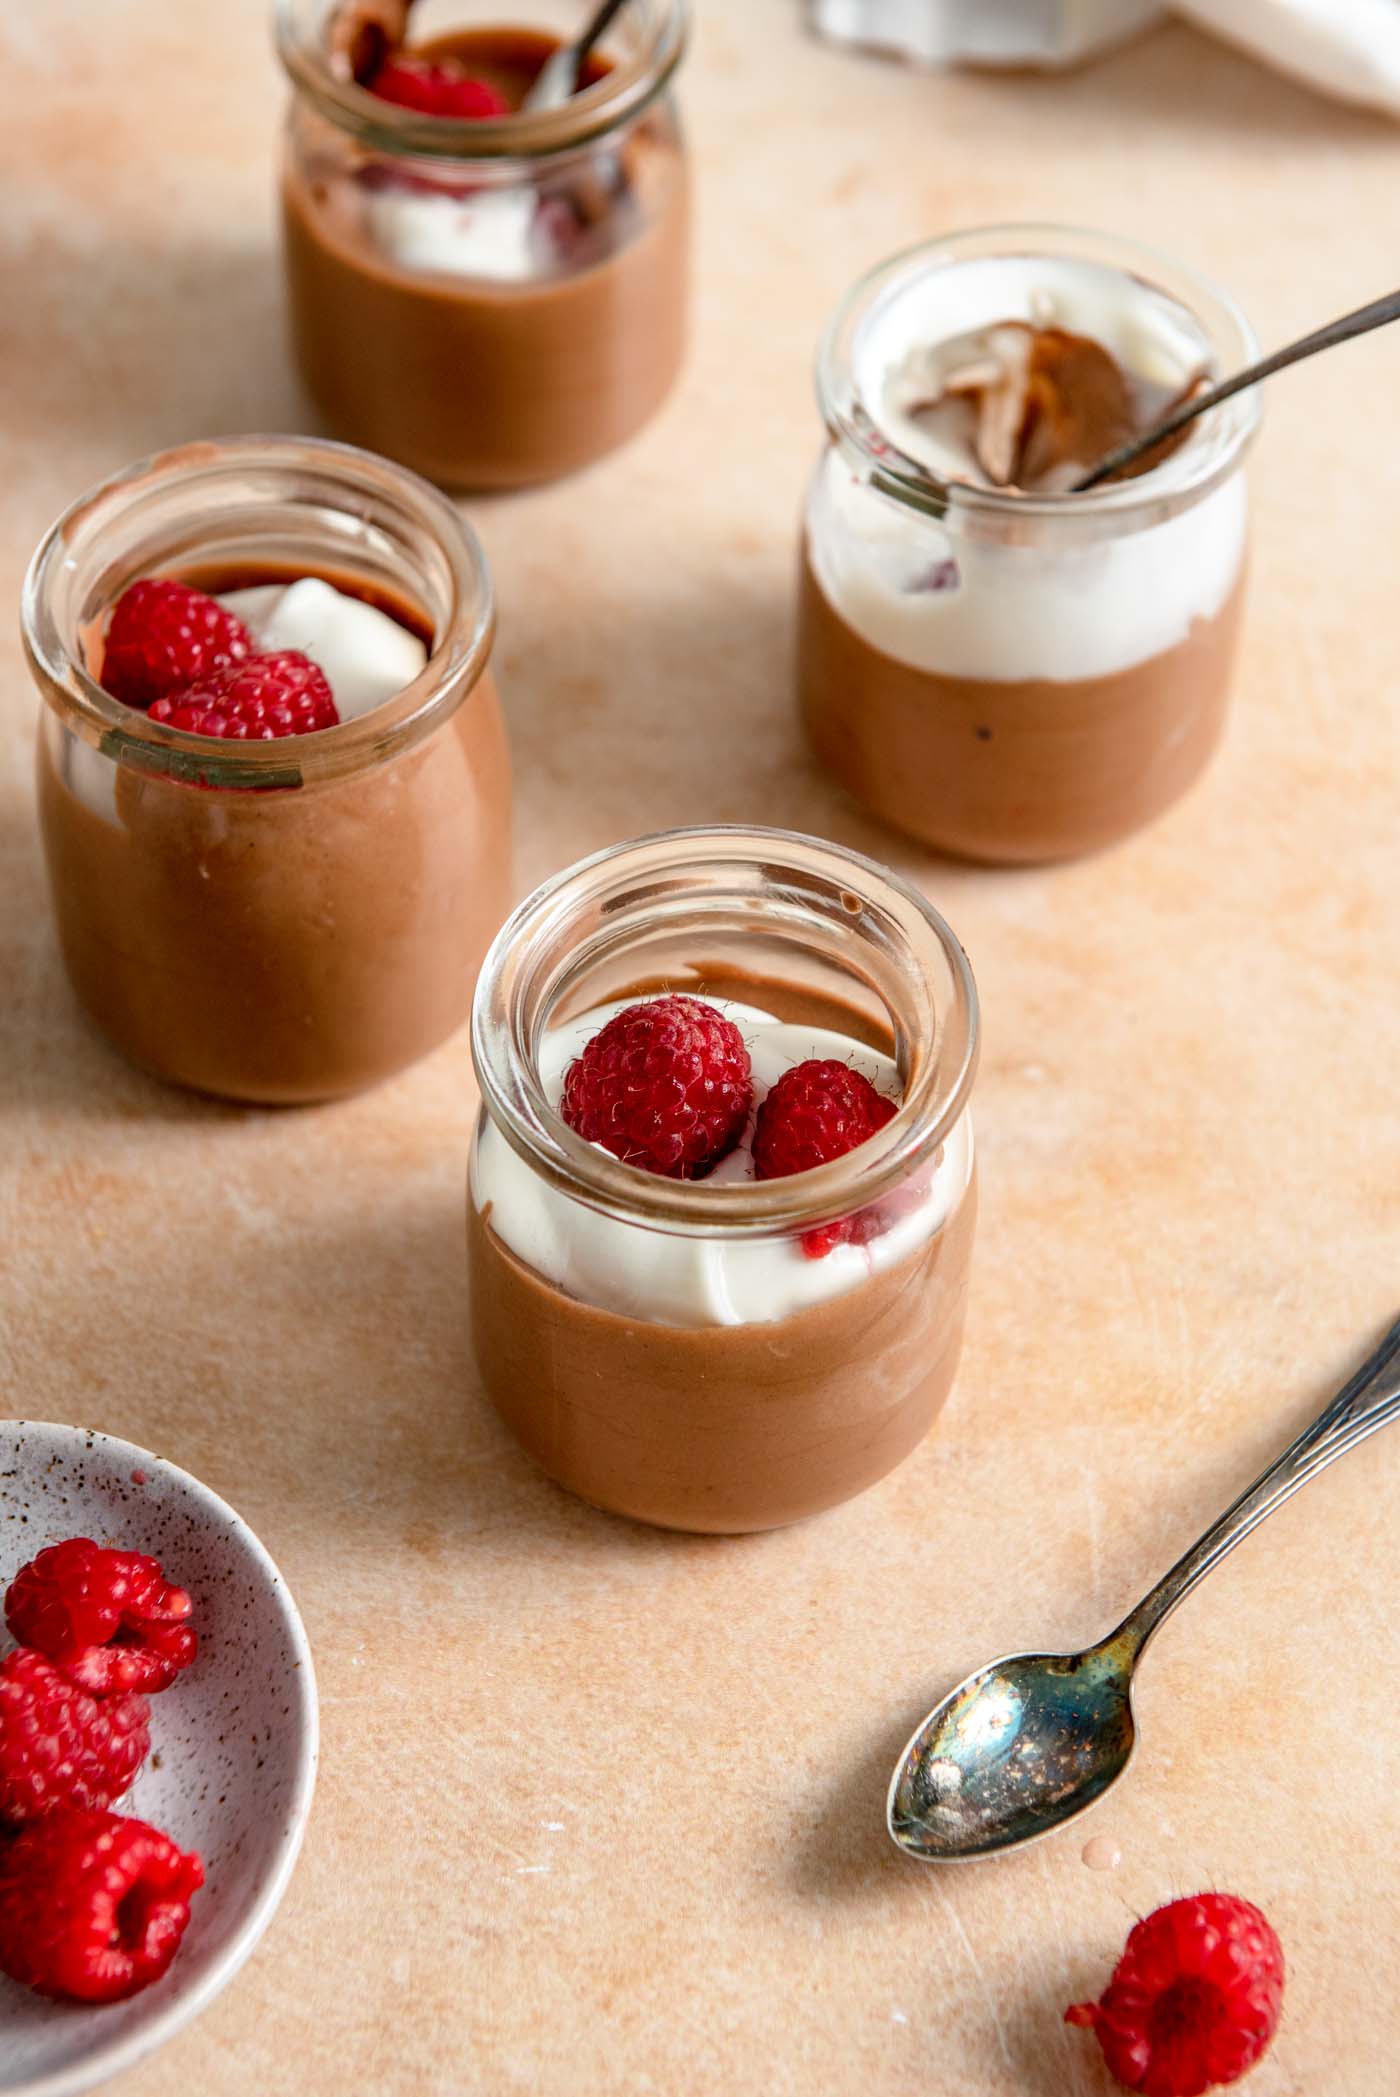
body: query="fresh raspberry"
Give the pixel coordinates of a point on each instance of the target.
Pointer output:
(93, 1906)
(1195, 1999)
(664, 1085)
(437, 87)
(60, 1747)
(109, 1619)
(163, 636)
(818, 1111)
(271, 695)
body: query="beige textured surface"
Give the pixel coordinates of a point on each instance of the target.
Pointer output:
(601, 1809)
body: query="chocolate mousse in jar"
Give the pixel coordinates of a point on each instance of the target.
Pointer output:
(272, 772)
(1000, 667)
(722, 1194)
(492, 293)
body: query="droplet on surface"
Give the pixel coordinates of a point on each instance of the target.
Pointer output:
(1101, 1853)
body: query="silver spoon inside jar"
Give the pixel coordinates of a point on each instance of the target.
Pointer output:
(1031, 1741)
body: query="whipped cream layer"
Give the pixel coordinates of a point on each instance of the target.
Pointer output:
(999, 600)
(500, 234)
(641, 1272)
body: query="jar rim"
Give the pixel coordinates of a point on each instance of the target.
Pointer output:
(622, 94)
(1223, 434)
(936, 1091)
(459, 653)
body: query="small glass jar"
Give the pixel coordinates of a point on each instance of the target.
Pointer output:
(493, 302)
(288, 920)
(1007, 676)
(723, 1355)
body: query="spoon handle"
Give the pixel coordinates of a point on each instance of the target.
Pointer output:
(1375, 315)
(1368, 1401)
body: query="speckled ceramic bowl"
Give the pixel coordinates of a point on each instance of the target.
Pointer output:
(233, 1761)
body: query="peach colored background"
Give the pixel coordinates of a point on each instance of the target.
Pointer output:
(601, 1809)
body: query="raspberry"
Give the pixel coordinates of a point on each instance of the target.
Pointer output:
(818, 1111)
(437, 87)
(271, 695)
(109, 1619)
(1195, 1999)
(60, 1747)
(664, 1085)
(93, 1906)
(163, 636)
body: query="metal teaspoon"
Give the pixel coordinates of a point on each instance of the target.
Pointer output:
(1376, 315)
(558, 77)
(1029, 1742)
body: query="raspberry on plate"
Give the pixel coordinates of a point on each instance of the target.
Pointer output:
(665, 1085)
(163, 636)
(109, 1619)
(93, 1906)
(270, 695)
(1193, 2002)
(818, 1111)
(437, 87)
(59, 1747)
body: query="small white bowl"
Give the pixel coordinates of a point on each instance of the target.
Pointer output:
(233, 1762)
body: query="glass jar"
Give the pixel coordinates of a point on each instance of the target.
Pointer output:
(494, 302)
(272, 921)
(723, 1354)
(1013, 676)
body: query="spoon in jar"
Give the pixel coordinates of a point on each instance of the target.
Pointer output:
(1361, 322)
(1030, 1742)
(558, 78)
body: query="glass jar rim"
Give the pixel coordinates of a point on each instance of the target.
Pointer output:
(514, 1097)
(531, 135)
(1185, 476)
(460, 650)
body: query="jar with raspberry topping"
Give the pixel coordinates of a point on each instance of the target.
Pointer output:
(284, 919)
(493, 293)
(722, 1191)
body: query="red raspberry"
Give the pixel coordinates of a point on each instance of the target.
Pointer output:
(437, 87)
(59, 1747)
(163, 636)
(109, 1619)
(93, 1906)
(818, 1111)
(271, 695)
(664, 1085)
(1195, 1999)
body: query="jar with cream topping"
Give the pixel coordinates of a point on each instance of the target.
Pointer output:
(285, 920)
(1000, 667)
(494, 299)
(724, 1353)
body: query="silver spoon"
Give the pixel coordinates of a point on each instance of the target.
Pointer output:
(1024, 1745)
(1376, 315)
(557, 80)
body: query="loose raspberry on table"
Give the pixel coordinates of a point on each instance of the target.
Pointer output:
(93, 1905)
(109, 1619)
(270, 695)
(1193, 2002)
(163, 636)
(818, 1111)
(59, 1747)
(666, 1085)
(437, 87)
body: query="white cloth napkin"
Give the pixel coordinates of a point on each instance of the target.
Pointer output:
(1349, 48)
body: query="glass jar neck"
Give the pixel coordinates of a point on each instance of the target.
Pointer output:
(693, 892)
(853, 411)
(293, 504)
(651, 41)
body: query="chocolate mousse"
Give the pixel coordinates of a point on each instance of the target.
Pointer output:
(507, 309)
(1002, 668)
(290, 940)
(724, 1386)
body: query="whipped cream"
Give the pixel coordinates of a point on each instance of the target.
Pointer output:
(495, 233)
(641, 1272)
(1005, 601)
